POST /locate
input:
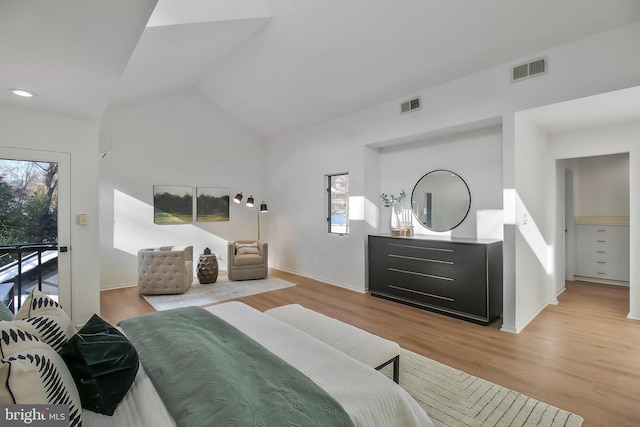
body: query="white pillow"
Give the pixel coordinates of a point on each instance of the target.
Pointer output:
(39, 376)
(46, 319)
(250, 248)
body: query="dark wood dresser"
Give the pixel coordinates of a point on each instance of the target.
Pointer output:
(457, 277)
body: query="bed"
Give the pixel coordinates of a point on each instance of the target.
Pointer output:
(368, 397)
(225, 365)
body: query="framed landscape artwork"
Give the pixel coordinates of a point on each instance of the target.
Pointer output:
(212, 204)
(172, 204)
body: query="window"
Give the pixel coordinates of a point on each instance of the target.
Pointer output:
(338, 198)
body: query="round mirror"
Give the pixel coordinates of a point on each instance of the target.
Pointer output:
(441, 200)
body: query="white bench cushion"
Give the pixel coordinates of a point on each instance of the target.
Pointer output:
(357, 343)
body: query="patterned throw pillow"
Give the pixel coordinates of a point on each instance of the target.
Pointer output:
(46, 319)
(13, 340)
(39, 376)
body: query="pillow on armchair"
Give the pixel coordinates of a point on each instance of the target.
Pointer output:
(251, 248)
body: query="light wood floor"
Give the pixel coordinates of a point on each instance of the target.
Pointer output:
(582, 355)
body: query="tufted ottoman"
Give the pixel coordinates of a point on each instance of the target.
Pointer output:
(366, 347)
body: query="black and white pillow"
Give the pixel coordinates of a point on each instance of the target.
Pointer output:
(37, 303)
(13, 340)
(46, 319)
(39, 376)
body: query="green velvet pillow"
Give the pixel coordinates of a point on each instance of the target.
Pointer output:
(103, 364)
(5, 313)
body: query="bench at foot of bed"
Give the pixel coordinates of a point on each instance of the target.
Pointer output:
(366, 347)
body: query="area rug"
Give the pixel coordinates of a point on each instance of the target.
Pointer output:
(222, 290)
(454, 398)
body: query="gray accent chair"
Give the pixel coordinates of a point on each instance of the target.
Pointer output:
(165, 270)
(247, 259)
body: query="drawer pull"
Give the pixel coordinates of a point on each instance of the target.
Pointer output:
(600, 272)
(601, 262)
(421, 247)
(422, 259)
(601, 241)
(601, 252)
(421, 293)
(601, 231)
(397, 270)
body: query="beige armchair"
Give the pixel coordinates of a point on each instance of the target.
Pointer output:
(165, 270)
(247, 259)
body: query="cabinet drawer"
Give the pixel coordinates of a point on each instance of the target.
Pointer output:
(603, 269)
(602, 251)
(459, 278)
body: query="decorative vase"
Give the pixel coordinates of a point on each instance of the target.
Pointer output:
(207, 268)
(394, 220)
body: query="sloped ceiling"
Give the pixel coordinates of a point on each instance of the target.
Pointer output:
(72, 53)
(275, 65)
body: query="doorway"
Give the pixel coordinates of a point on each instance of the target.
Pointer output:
(34, 225)
(597, 213)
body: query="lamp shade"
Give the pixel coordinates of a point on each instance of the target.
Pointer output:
(250, 201)
(263, 207)
(238, 198)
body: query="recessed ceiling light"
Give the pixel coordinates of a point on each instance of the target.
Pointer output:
(22, 92)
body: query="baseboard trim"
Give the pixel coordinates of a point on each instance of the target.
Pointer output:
(509, 329)
(601, 281)
(321, 280)
(519, 328)
(633, 316)
(120, 286)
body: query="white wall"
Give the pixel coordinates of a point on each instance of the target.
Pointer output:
(297, 179)
(602, 186)
(34, 131)
(176, 139)
(534, 264)
(476, 156)
(297, 162)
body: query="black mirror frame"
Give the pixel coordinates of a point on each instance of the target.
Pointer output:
(413, 208)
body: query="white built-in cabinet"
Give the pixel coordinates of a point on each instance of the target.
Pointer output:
(602, 252)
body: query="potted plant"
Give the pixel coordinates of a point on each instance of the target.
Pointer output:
(390, 201)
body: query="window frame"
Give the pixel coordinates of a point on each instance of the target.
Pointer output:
(330, 205)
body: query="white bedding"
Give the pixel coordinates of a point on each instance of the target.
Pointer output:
(370, 398)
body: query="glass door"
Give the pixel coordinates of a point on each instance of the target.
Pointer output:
(34, 226)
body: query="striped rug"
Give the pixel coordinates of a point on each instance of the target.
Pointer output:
(454, 398)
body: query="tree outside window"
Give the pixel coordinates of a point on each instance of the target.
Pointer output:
(28, 203)
(338, 191)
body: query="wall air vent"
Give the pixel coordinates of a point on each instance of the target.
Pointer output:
(410, 105)
(530, 69)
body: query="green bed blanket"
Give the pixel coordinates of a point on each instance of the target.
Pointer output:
(208, 373)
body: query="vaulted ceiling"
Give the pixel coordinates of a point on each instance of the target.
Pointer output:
(275, 65)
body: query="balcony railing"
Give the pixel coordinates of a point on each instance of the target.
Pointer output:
(24, 271)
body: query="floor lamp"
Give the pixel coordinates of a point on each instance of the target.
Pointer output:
(250, 203)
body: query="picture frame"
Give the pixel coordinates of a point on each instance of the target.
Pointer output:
(172, 204)
(212, 204)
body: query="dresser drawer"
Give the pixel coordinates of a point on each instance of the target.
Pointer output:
(602, 251)
(458, 279)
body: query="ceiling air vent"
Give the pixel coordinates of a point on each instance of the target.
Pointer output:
(530, 69)
(410, 105)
